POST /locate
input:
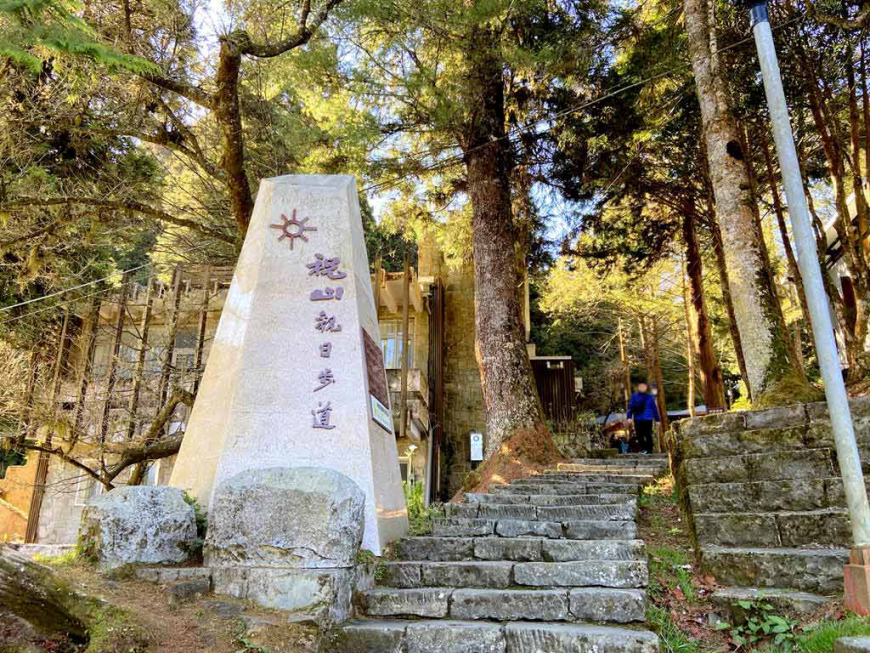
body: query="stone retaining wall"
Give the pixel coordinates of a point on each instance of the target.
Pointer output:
(762, 495)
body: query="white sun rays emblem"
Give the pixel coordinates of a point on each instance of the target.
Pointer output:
(292, 228)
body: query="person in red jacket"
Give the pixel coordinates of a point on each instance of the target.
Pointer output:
(642, 411)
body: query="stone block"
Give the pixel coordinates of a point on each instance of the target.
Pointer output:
(510, 605)
(436, 548)
(522, 528)
(726, 598)
(558, 638)
(715, 423)
(737, 530)
(457, 527)
(781, 465)
(852, 645)
(230, 581)
(781, 417)
(498, 548)
(577, 513)
(466, 574)
(821, 528)
(604, 604)
(577, 550)
(321, 596)
(423, 602)
(188, 590)
(505, 511)
(479, 497)
(454, 637)
(761, 496)
(137, 525)
(307, 517)
(366, 637)
(743, 442)
(600, 530)
(620, 574)
(399, 574)
(462, 510)
(728, 469)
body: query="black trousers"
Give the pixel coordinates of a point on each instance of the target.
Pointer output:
(644, 430)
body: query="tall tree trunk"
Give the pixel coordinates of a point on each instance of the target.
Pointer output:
(509, 391)
(690, 347)
(661, 399)
(765, 340)
(626, 370)
(725, 283)
(711, 372)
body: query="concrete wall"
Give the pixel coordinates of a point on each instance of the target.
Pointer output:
(16, 490)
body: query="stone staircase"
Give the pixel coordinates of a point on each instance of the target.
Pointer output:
(765, 502)
(550, 564)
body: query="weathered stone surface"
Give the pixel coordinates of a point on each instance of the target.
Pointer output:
(557, 638)
(610, 488)
(763, 496)
(579, 499)
(609, 573)
(781, 465)
(505, 511)
(462, 510)
(455, 637)
(466, 574)
(716, 423)
(852, 645)
(605, 604)
(278, 517)
(576, 550)
(399, 574)
(458, 527)
(822, 527)
(577, 513)
(811, 570)
(725, 598)
(436, 548)
(510, 605)
(742, 442)
(367, 637)
(137, 525)
(781, 417)
(522, 528)
(163, 575)
(187, 590)
(498, 548)
(600, 530)
(737, 530)
(424, 602)
(322, 596)
(479, 497)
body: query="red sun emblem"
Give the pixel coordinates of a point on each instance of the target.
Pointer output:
(292, 228)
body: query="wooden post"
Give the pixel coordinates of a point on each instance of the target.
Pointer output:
(140, 361)
(406, 299)
(626, 370)
(203, 325)
(32, 531)
(113, 357)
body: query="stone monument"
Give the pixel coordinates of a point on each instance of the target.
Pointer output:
(295, 377)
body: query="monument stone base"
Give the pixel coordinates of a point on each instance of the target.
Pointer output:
(856, 581)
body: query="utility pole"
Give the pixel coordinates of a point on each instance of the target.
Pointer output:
(857, 572)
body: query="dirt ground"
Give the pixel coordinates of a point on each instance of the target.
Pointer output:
(215, 624)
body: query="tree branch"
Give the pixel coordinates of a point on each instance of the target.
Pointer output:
(860, 21)
(304, 33)
(193, 93)
(118, 205)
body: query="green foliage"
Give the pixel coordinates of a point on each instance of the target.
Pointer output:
(671, 638)
(64, 560)
(761, 626)
(365, 557)
(671, 568)
(35, 30)
(419, 516)
(821, 637)
(201, 517)
(113, 630)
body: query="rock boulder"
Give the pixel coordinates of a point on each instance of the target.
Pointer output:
(305, 517)
(137, 524)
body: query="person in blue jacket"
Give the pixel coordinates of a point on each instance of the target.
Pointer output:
(642, 411)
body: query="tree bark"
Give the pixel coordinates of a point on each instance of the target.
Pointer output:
(509, 390)
(725, 283)
(626, 369)
(764, 338)
(690, 348)
(711, 372)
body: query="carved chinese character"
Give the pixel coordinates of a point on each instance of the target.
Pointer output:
(326, 267)
(325, 349)
(326, 323)
(321, 416)
(326, 294)
(325, 378)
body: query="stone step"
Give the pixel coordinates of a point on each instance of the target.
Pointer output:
(587, 529)
(818, 571)
(793, 494)
(566, 488)
(524, 549)
(620, 461)
(787, 601)
(505, 574)
(505, 604)
(423, 636)
(566, 470)
(748, 468)
(617, 479)
(623, 511)
(549, 499)
(827, 527)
